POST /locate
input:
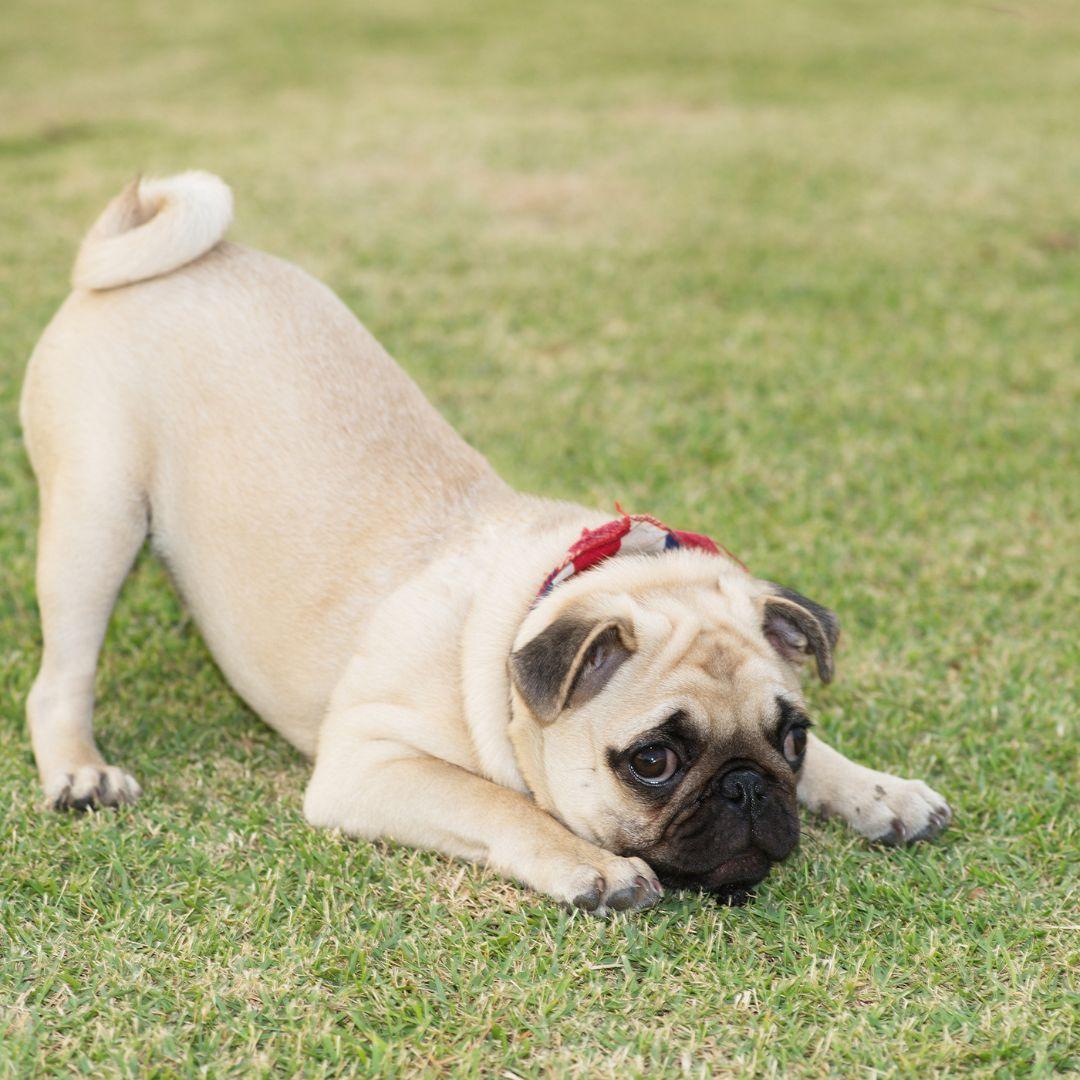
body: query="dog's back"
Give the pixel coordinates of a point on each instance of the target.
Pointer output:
(290, 472)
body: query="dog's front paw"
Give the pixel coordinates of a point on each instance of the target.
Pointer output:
(898, 812)
(91, 786)
(615, 884)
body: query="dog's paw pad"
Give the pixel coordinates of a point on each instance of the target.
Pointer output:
(91, 786)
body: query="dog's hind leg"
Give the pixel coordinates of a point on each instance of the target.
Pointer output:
(93, 522)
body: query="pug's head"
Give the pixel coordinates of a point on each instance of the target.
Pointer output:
(656, 711)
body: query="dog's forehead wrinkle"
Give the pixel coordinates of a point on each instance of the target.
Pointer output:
(684, 636)
(725, 680)
(634, 726)
(703, 625)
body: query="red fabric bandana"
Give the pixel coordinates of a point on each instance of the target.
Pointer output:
(631, 533)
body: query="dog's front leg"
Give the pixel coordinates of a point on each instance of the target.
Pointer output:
(376, 787)
(884, 808)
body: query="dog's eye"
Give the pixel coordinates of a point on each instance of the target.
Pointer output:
(795, 745)
(654, 764)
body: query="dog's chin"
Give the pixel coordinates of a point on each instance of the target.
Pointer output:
(731, 881)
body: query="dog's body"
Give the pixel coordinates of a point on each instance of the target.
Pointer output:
(367, 583)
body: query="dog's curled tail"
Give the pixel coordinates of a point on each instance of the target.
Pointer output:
(153, 227)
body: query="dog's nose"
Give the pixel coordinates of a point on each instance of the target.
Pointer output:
(745, 788)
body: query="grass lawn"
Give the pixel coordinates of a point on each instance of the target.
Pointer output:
(803, 276)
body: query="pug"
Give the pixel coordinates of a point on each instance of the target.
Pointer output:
(593, 704)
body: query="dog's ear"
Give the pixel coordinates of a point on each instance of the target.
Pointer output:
(798, 628)
(569, 663)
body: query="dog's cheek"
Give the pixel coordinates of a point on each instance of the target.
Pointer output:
(574, 784)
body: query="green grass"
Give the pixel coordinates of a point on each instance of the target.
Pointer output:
(803, 276)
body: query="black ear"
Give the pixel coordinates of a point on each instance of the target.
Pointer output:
(569, 663)
(797, 627)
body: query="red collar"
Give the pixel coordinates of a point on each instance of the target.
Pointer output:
(630, 533)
